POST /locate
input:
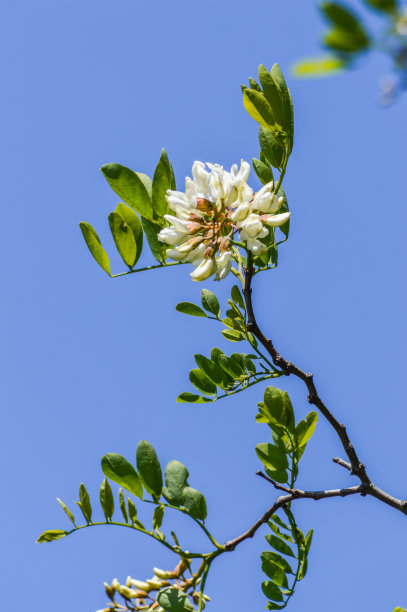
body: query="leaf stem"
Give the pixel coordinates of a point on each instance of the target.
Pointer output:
(176, 263)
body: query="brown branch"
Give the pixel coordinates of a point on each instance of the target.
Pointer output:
(357, 468)
(292, 494)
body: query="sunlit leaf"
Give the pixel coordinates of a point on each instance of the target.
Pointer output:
(130, 187)
(51, 535)
(67, 511)
(319, 67)
(118, 469)
(94, 246)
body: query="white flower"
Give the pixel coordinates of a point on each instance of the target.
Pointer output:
(241, 212)
(223, 264)
(217, 205)
(170, 235)
(252, 227)
(201, 177)
(256, 247)
(206, 268)
(277, 220)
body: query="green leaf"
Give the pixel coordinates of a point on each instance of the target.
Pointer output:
(271, 150)
(272, 456)
(387, 6)
(158, 516)
(263, 171)
(279, 407)
(237, 297)
(320, 66)
(161, 182)
(51, 535)
(67, 512)
(149, 468)
(268, 555)
(201, 381)
(253, 84)
(176, 476)
(132, 510)
(279, 545)
(230, 366)
(106, 499)
(258, 108)
(340, 40)
(130, 187)
(118, 469)
(276, 519)
(286, 102)
(151, 229)
(277, 475)
(232, 335)
(123, 238)
(174, 600)
(277, 531)
(272, 591)
(308, 540)
(210, 368)
(210, 302)
(190, 309)
(192, 398)
(131, 218)
(272, 93)
(341, 17)
(399, 609)
(275, 572)
(122, 505)
(94, 246)
(84, 503)
(194, 503)
(305, 429)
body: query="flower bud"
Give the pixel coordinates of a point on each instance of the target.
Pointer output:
(127, 593)
(115, 584)
(208, 252)
(110, 591)
(224, 244)
(154, 584)
(163, 574)
(139, 584)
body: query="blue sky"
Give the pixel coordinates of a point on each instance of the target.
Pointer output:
(92, 365)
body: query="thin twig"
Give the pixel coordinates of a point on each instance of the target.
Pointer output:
(357, 467)
(285, 499)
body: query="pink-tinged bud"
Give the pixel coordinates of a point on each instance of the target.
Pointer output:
(209, 251)
(224, 244)
(194, 216)
(194, 227)
(195, 241)
(203, 204)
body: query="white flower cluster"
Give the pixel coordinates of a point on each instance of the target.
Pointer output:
(215, 206)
